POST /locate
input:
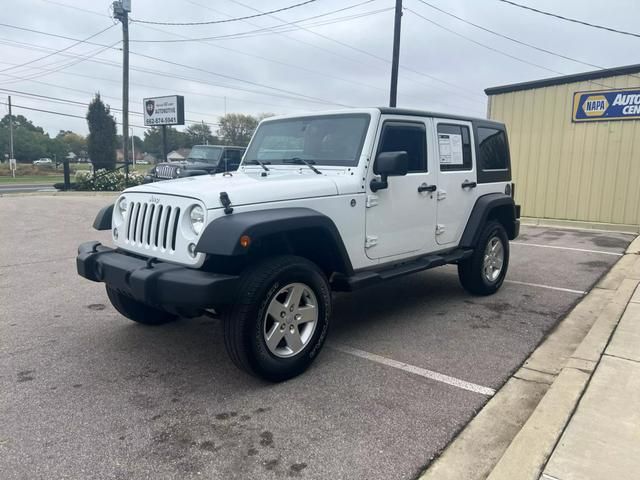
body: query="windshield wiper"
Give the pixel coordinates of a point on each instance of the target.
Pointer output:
(301, 161)
(255, 161)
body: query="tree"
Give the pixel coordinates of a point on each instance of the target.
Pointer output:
(200, 134)
(101, 142)
(237, 128)
(153, 140)
(73, 142)
(29, 141)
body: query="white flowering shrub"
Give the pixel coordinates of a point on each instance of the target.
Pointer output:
(105, 181)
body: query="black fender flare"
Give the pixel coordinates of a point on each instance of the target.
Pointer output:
(482, 210)
(222, 235)
(103, 219)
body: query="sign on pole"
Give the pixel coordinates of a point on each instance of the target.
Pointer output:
(163, 110)
(606, 105)
(12, 166)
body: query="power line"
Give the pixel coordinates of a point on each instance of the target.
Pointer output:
(369, 54)
(65, 65)
(60, 113)
(522, 60)
(58, 51)
(568, 19)
(22, 94)
(168, 75)
(229, 77)
(228, 20)
(512, 39)
(297, 40)
(276, 28)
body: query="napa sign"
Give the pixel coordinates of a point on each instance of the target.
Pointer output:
(606, 105)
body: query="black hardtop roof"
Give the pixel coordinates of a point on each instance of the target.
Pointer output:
(424, 113)
(573, 78)
(218, 146)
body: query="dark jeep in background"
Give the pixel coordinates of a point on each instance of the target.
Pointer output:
(203, 159)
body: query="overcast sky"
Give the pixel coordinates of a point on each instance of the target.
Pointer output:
(328, 62)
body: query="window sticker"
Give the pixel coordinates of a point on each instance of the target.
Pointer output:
(450, 147)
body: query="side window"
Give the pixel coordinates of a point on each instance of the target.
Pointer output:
(406, 137)
(492, 151)
(233, 157)
(454, 147)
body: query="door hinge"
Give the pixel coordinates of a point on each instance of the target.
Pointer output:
(439, 229)
(442, 194)
(372, 201)
(370, 241)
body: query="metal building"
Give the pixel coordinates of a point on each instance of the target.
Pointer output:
(575, 146)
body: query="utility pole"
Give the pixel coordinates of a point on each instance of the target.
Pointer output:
(393, 94)
(133, 149)
(11, 157)
(10, 130)
(121, 9)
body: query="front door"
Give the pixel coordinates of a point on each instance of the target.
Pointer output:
(400, 219)
(456, 179)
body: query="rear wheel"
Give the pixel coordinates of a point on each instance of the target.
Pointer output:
(137, 311)
(278, 324)
(483, 273)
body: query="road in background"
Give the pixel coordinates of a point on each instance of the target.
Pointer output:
(25, 187)
(85, 392)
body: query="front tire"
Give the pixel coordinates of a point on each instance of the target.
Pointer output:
(137, 311)
(484, 272)
(280, 319)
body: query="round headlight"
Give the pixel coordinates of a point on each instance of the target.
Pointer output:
(178, 171)
(123, 205)
(196, 215)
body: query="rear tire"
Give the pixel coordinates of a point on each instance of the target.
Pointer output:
(137, 311)
(483, 273)
(279, 320)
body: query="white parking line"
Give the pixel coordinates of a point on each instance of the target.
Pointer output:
(438, 377)
(539, 285)
(566, 248)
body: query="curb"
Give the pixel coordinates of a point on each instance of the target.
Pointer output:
(529, 451)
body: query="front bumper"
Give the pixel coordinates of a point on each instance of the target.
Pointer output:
(154, 283)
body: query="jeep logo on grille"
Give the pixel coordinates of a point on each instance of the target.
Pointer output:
(154, 199)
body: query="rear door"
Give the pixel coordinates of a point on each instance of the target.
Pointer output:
(457, 178)
(400, 218)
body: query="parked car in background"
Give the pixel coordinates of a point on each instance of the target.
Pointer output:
(203, 159)
(43, 161)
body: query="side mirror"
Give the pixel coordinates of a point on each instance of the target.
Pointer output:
(389, 164)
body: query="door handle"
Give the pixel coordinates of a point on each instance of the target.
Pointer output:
(427, 188)
(468, 184)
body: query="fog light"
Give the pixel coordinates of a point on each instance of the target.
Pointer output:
(115, 233)
(192, 249)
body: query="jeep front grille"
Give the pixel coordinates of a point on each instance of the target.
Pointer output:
(165, 171)
(153, 225)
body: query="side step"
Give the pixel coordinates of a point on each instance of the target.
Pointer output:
(372, 277)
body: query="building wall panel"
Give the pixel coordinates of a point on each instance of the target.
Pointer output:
(571, 171)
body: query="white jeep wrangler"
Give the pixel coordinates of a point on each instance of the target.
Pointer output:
(321, 202)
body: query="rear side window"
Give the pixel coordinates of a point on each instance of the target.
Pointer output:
(454, 147)
(492, 151)
(406, 137)
(493, 155)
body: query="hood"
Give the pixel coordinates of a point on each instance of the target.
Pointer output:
(244, 189)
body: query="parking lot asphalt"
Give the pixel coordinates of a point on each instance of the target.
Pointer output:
(85, 393)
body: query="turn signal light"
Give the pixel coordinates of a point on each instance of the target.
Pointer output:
(245, 241)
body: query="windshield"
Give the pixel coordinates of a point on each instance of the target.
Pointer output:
(323, 140)
(204, 153)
